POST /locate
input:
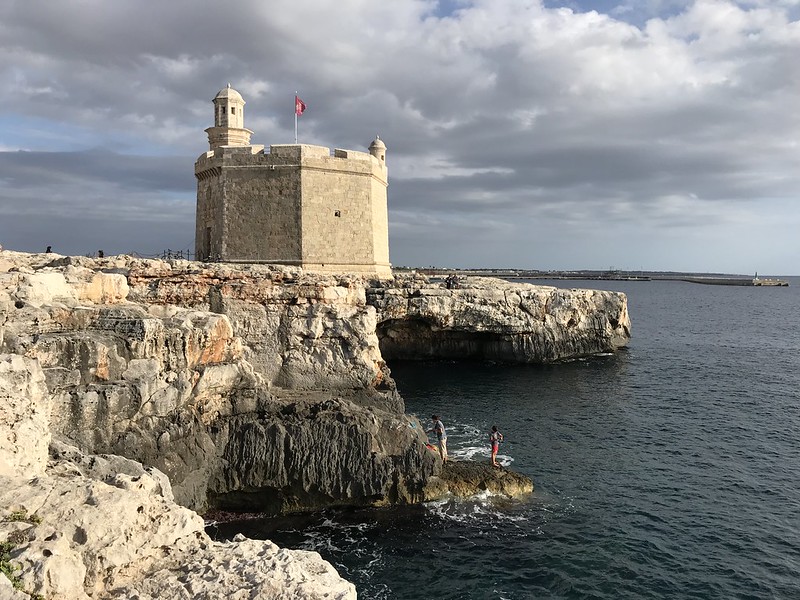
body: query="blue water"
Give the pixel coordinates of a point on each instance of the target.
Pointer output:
(667, 470)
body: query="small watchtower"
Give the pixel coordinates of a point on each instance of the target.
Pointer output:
(228, 127)
(378, 149)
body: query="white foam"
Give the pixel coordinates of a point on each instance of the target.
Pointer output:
(486, 507)
(504, 459)
(470, 452)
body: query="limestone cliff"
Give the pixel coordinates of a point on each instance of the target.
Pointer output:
(247, 387)
(265, 387)
(75, 527)
(492, 319)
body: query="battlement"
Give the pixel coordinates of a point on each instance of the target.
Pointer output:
(291, 155)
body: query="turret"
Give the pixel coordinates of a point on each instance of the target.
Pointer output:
(229, 129)
(378, 149)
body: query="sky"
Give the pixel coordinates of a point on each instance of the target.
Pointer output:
(544, 134)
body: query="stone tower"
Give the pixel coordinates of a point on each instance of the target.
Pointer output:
(294, 204)
(228, 129)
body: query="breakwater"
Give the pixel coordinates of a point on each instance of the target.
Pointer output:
(736, 281)
(455, 277)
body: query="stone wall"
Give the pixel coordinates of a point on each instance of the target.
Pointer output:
(251, 203)
(340, 194)
(380, 221)
(296, 204)
(209, 217)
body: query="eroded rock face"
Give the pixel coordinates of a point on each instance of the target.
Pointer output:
(303, 455)
(265, 388)
(80, 526)
(124, 381)
(300, 331)
(306, 424)
(248, 387)
(24, 418)
(492, 319)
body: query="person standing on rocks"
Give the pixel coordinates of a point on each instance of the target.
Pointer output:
(495, 437)
(441, 435)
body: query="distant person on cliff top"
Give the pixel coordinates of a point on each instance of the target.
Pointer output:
(495, 437)
(49, 250)
(441, 436)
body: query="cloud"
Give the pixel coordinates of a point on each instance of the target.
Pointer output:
(544, 131)
(82, 201)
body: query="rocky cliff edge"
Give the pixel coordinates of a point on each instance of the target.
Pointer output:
(264, 388)
(75, 526)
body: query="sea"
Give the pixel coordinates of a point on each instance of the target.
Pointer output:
(670, 469)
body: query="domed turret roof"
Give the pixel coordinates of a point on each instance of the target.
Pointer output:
(377, 143)
(229, 93)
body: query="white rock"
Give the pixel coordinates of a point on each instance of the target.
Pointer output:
(89, 539)
(44, 288)
(103, 288)
(24, 417)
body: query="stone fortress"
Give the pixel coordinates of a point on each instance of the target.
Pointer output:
(294, 204)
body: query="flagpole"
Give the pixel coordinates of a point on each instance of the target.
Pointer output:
(295, 116)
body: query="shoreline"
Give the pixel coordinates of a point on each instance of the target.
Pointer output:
(165, 387)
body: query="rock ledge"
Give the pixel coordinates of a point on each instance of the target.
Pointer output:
(466, 478)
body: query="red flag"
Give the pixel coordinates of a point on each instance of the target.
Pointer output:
(299, 106)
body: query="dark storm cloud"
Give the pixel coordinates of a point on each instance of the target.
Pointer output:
(29, 170)
(86, 235)
(79, 202)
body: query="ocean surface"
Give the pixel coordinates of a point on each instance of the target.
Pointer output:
(670, 469)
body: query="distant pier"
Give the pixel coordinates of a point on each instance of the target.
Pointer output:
(613, 275)
(754, 282)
